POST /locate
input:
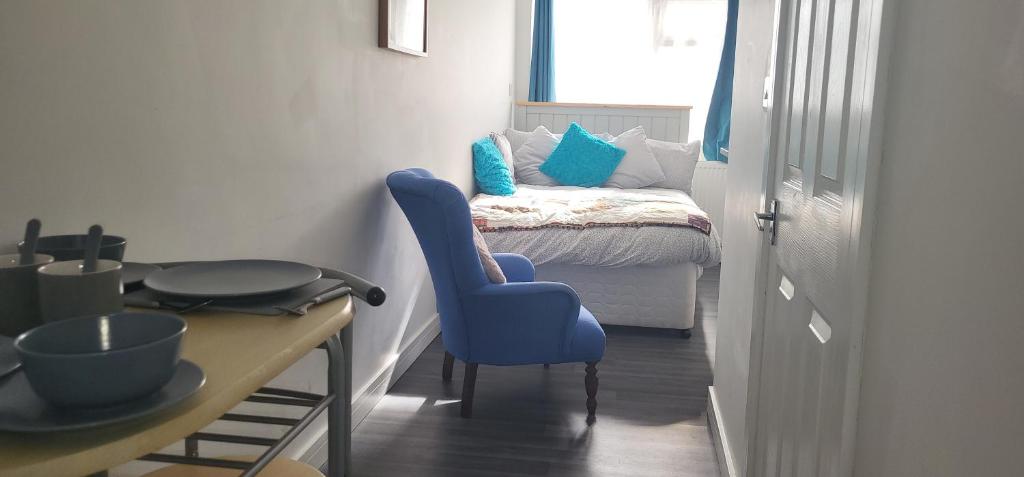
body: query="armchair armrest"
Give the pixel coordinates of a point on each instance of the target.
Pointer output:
(516, 268)
(520, 323)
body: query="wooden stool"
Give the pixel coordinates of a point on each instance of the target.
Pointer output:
(279, 467)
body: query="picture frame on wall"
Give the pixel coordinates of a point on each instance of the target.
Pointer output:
(402, 26)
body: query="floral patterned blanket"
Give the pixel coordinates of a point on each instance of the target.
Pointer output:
(580, 208)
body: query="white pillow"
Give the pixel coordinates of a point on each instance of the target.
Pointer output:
(516, 138)
(638, 168)
(678, 161)
(532, 154)
(506, 152)
(605, 136)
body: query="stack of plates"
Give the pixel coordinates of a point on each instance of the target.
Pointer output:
(22, 410)
(259, 287)
(133, 273)
(231, 278)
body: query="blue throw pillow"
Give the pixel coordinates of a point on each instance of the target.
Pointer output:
(582, 159)
(492, 175)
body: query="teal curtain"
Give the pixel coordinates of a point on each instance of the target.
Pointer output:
(716, 130)
(542, 65)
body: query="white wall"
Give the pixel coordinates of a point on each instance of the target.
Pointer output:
(524, 48)
(217, 129)
(943, 376)
(741, 240)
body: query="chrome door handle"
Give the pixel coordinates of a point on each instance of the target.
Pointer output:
(761, 217)
(770, 217)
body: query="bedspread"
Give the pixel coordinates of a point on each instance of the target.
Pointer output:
(534, 207)
(666, 240)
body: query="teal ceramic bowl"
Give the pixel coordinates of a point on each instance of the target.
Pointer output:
(103, 360)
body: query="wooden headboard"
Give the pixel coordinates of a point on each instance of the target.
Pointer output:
(665, 123)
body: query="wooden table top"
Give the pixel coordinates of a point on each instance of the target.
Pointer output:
(238, 352)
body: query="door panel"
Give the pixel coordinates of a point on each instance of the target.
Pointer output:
(815, 92)
(773, 410)
(789, 312)
(786, 71)
(807, 243)
(837, 98)
(801, 68)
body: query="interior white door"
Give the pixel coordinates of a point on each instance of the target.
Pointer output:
(824, 76)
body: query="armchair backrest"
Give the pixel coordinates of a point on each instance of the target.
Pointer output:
(440, 217)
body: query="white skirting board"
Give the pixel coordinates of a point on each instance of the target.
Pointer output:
(364, 400)
(726, 463)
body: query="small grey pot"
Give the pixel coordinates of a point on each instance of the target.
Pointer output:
(65, 291)
(19, 295)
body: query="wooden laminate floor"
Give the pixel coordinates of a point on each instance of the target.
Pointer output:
(528, 421)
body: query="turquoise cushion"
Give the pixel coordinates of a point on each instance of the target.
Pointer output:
(492, 175)
(582, 159)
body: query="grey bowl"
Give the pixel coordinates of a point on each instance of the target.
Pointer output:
(72, 247)
(103, 360)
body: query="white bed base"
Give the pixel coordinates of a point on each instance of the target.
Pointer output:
(642, 295)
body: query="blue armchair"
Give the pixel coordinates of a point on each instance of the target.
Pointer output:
(515, 323)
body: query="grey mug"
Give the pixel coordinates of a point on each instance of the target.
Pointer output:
(65, 291)
(19, 295)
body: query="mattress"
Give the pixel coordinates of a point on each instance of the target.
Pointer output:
(607, 246)
(658, 296)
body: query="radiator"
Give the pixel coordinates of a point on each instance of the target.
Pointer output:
(709, 190)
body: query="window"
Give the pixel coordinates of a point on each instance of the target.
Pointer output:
(639, 52)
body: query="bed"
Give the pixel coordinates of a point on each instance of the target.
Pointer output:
(633, 255)
(626, 274)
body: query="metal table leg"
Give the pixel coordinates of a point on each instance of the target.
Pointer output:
(339, 413)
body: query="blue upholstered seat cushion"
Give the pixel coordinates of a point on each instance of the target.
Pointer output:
(581, 159)
(489, 168)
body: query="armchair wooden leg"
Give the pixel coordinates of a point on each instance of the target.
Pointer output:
(591, 382)
(468, 386)
(446, 369)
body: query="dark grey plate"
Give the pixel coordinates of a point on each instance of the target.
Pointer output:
(134, 272)
(8, 356)
(21, 410)
(232, 278)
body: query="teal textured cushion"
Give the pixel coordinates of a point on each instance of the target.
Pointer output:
(492, 175)
(582, 159)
